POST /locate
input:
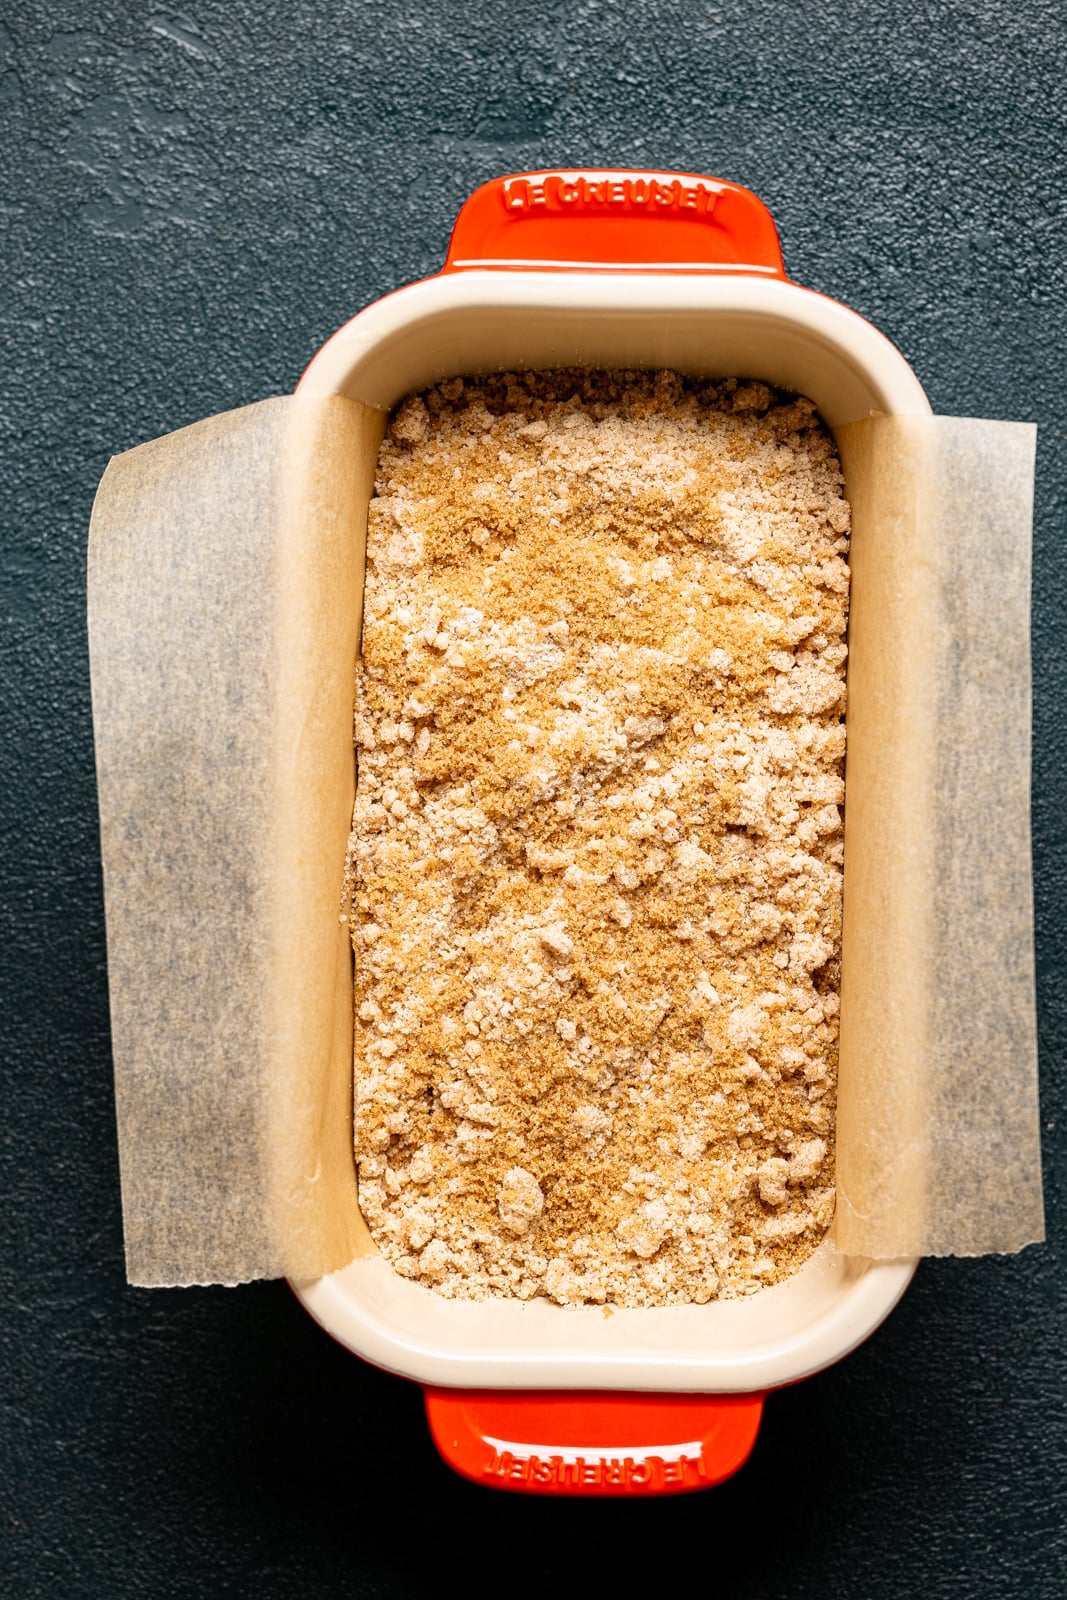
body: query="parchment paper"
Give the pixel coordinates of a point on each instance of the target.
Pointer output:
(938, 1134)
(225, 597)
(225, 581)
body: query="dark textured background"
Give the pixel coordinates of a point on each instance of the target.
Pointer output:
(192, 201)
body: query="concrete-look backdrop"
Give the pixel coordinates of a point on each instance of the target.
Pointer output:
(193, 199)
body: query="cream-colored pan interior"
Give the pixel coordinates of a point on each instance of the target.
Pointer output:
(482, 321)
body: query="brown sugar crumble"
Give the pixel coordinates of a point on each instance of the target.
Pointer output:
(597, 852)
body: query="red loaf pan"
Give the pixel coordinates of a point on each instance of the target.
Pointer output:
(610, 269)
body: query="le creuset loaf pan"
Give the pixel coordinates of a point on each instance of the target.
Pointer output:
(610, 269)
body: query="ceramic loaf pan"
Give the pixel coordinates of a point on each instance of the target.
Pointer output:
(610, 269)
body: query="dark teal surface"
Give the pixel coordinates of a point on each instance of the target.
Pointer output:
(191, 202)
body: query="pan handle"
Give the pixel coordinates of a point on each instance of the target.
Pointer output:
(615, 221)
(604, 1444)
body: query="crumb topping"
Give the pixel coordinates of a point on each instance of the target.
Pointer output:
(597, 852)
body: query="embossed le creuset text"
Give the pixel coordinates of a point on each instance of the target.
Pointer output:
(558, 192)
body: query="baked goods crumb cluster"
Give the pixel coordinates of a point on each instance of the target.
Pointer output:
(596, 858)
